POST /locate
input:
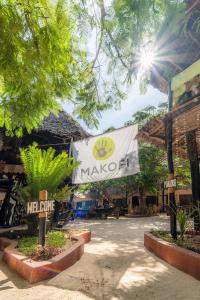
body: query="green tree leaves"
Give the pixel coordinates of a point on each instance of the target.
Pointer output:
(127, 27)
(43, 60)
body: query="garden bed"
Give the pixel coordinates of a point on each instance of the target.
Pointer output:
(178, 256)
(17, 234)
(191, 239)
(35, 270)
(56, 243)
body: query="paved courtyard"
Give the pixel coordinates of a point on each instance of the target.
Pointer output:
(115, 266)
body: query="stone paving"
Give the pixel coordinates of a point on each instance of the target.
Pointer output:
(115, 266)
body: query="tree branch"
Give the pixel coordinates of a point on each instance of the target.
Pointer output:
(103, 14)
(116, 49)
(113, 43)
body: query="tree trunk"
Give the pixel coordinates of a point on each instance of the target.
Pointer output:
(143, 207)
(163, 199)
(142, 201)
(129, 202)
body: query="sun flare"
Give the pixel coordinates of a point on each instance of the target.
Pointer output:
(147, 58)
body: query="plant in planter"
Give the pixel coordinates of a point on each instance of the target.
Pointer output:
(183, 222)
(196, 215)
(44, 171)
(56, 242)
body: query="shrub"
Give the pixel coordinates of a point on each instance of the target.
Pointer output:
(28, 245)
(54, 242)
(56, 238)
(183, 222)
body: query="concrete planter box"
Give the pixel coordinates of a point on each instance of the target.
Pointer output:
(180, 258)
(35, 271)
(86, 235)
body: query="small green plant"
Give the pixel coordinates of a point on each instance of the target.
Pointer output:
(162, 234)
(54, 242)
(28, 245)
(183, 221)
(56, 238)
(196, 215)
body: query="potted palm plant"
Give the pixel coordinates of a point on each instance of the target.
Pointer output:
(44, 171)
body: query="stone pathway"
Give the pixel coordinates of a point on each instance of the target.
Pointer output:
(115, 266)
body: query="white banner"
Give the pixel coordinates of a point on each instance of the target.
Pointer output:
(107, 156)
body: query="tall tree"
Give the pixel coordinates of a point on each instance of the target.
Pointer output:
(43, 60)
(127, 29)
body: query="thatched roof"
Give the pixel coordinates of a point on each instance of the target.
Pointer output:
(55, 131)
(63, 126)
(181, 48)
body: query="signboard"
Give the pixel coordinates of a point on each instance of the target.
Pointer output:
(186, 84)
(107, 156)
(40, 206)
(170, 183)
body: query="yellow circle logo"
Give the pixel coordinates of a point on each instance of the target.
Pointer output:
(103, 148)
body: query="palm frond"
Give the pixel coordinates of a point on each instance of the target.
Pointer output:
(45, 170)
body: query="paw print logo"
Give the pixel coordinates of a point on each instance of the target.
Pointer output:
(103, 148)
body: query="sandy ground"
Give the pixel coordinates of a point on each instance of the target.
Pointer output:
(115, 266)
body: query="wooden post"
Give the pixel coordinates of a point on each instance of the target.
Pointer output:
(43, 195)
(195, 176)
(163, 197)
(169, 142)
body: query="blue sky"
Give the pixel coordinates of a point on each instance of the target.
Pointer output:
(134, 102)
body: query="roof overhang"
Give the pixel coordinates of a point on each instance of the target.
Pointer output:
(185, 118)
(181, 47)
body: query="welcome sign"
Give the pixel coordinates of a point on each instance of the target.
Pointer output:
(107, 156)
(40, 206)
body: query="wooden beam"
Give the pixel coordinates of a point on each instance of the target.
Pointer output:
(193, 102)
(156, 129)
(156, 140)
(178, 138)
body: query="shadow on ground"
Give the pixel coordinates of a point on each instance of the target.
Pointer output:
(114, 266)
(117, 266)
